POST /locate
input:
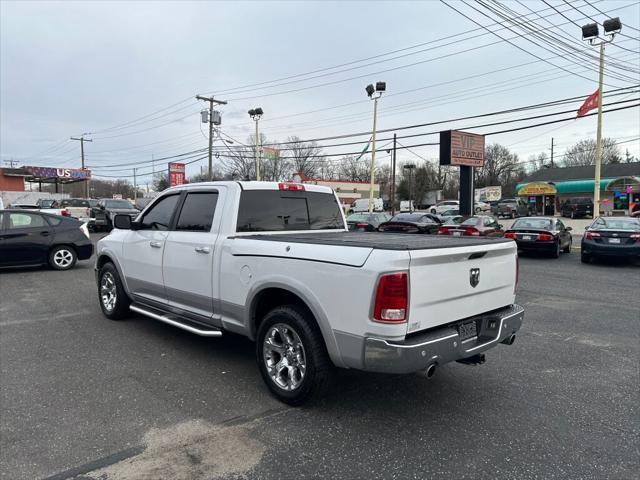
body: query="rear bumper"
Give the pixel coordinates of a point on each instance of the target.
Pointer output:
(441, 345)
(592, 248)
(537, 246)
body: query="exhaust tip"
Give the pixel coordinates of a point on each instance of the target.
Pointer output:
(431, 370)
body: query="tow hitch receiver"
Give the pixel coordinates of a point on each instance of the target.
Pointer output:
(475, 360)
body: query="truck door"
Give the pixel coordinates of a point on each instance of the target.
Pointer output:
(189, 257)
(143, 248)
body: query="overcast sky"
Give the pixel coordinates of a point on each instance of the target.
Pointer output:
(74, 67)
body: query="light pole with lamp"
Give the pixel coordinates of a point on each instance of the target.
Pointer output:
(374, 93)
(590, 33)
(255, 114)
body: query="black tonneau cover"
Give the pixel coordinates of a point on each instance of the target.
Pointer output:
(380, 241)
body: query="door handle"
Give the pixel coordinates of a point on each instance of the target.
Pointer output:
(155, 244)
(202, 249)
(45, 234)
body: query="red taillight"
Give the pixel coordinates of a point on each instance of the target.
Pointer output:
(545, 237)
(472, 231)
(294, 187)
(591, 235)
(362, 225)
(443, 231)
(635, 236)
(391, 298)
(64, 212)
(511, 235)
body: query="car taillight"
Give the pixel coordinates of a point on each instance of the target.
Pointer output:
(591, 235)
(361, 225)
(511, 235)
(635, 236)
(293, 187)
(472, 231)
(64, 212)
(391, 298)
(443, 231)
(545, 237)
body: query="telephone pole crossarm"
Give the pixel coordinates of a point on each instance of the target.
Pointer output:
(212, 101)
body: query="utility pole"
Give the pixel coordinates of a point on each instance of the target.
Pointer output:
(82, 140)
(212, 102)
(393, 178)
(551, 152)
(135, 186)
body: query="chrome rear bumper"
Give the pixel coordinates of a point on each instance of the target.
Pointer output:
(442, 345)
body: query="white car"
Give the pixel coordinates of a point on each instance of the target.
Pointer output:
(480, 207)
(441, 207)
(275, 262)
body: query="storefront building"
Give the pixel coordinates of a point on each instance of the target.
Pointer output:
(619, 187)
(347, 191)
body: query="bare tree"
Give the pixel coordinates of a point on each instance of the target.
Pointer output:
(584, 153)
(499, 165)
(354, 169)
(303, 156)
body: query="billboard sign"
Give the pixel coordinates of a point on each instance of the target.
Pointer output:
(176, 174)
(61, 173)
(461, 149)
(270, 153)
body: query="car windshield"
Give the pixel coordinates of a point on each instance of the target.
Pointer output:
(408, 217)
(616, 224)
(470, 221)
(541, 223)
(122, 204)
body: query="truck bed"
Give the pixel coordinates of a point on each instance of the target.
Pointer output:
(379, 241)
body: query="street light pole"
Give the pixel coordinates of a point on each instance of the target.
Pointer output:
(375, 94)
(596, 184)
(255, 114)
(393, 177)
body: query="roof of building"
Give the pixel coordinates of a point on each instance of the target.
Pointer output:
(15, 172)
(563, 174)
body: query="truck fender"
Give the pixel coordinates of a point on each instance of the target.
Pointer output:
(105, 256)
(310, 300)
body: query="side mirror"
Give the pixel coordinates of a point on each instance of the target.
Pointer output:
(568, 229)
(101, 207)
(122, 222)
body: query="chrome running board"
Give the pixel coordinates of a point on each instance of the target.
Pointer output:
(176, 323)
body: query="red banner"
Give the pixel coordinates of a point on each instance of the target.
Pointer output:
(176, 174)
(589, 104)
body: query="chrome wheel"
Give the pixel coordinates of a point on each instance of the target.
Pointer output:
(108, 293)
(284, 357)
(63, 258)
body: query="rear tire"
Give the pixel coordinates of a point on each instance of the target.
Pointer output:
(556, 251)
(62, 257)
(567, 249)
(114, 301)
(292, 356)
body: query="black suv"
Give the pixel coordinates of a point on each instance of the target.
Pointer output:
(577, 207)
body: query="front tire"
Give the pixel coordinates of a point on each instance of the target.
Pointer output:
(567, 249)
(292, 356)
(62, 258)
(114, 301)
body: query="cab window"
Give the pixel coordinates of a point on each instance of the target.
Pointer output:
(197, 212)
(158, 217)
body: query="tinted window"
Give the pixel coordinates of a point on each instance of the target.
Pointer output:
(197, 212)
(543, 223)
(274, 210)
(408, 217)
(470, 221)
(617, 224)
(159, 217)
(122, 204)
(26, 220)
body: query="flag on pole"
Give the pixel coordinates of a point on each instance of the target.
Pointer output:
(589, 104)
(366, 148)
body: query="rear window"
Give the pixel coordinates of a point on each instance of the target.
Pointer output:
(275, 210)
(470, 221)
(121, 204)
(616, 224)
(542, 223)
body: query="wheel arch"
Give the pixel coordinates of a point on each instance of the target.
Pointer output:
(270, 295)
(104, 258)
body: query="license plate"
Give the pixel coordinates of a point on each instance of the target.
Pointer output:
(526, 237)
(457, 234)
(614, 240)
(467, 330)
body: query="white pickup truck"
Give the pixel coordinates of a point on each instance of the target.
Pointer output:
(275, 262)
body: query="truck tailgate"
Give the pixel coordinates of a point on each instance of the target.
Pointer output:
(455, 283)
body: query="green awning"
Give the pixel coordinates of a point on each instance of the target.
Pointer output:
(576, 186)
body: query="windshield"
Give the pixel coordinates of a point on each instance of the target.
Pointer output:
(408, 217)
(616, 224)
(361, 217)
(541, 223)
(470, 221)
(121, 204)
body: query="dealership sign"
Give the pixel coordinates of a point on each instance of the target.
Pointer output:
(60, 173)
(176, 174)
(537, 188)
(461, 149)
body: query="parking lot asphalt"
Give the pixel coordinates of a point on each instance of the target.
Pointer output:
(85, 397)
